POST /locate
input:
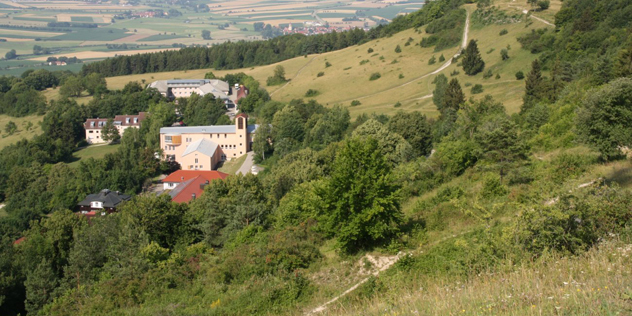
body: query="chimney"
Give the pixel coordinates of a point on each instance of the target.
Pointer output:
(192, 196)
(182, 178)
(202, 185)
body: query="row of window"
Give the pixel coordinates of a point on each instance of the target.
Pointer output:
(169, 147)
(90, 131)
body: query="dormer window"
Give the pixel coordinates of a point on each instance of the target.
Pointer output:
(135, 120)
(127, 120)
(91, 124)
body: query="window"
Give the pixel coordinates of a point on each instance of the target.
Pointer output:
(127, 120)
(167, 139)
(135, 120)
(92, 124)
(97, 137)
(240, 144)
(90, 132)
(196, 160)
(165, 147)
(225, 136)
(240, 123)
(241, 135)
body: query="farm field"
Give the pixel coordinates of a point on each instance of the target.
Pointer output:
(23, 132)
(81, 29)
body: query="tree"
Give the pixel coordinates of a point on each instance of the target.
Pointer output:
(392, 145)
(109, 132)
(210, 75)
(535, 88)
(605, 118)
(10, 128)
(453, 99)
(441, 85)
(72, 87)
(278, 77)
(500, 142)
(262, 144)
(40, 284)
(11, 54)
(361, 206)
(415, 129)
(543, 4)
(331, 127)
(95, 83)
(206, 110)
(206, 34)
(398, 49)
(624, 61)
(472, 61)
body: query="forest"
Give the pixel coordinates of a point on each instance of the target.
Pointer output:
(252, 244)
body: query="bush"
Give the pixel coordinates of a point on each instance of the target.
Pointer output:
(401, 76)
(311, 93)
(544, 4)
(355, 103)
(375, 76)
(398, 49)
(492, 187)
(320, 74)
(441, 58)
(454, 73)
(504, 54)
(488, 74)
(362, 62)
(503, 32)
(370, 50)
(327, 64)
(520, 75)
(398, 104)
(477, 88)
(432, 60)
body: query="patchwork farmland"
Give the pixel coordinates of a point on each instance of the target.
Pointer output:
(93, 31)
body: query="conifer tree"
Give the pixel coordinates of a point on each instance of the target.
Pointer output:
(534, 86)
(453, 99)
(472, 61)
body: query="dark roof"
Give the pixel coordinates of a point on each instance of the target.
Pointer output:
(109, 198)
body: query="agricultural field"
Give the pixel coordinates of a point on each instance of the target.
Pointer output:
(94, 31)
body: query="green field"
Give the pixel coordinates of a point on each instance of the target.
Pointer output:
(232, 166)
(93, 151)
(160, 37)
(92, 34)
(81, 19)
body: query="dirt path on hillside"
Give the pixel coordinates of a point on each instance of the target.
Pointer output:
(525, 11)
(296, 75)
(381, 264)
(447, 64)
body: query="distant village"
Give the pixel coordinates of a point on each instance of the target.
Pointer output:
(198, 150)
(314, 28)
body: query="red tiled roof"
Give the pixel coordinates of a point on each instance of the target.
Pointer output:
(194, 187)
(19, 241)
(185, 175)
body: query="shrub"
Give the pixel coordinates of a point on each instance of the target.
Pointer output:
(375, 76)
(491, 51)
(497, 76)
(320, 74)
(311, 93)
(370, 50)
(520, 75)
(327, 64)
(504, 54)
(454, 73)
(355, 103)
(488, 74)
(401, 76)
(503, 32)
(441, 58)
(544, 4)
(468, 84)
(398, 49)
(364, 62)
(477, 88)
(432, 60)
(492, 187)
(398, 104)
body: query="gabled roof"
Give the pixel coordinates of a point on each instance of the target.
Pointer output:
(107, 197)
(202, 146)
(209, 88)
(192, 182)
(185, 175)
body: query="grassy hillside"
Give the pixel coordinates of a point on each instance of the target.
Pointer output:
(405, 77)
(23, 129)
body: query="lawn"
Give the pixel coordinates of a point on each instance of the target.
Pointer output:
(232, 166)
(22, 132)
(93, 151)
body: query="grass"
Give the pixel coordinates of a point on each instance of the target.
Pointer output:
(92, 34)
(595, 283)
(232, 166)
(81, 19)
(21, 133)
(160, 37)
(93, 151)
